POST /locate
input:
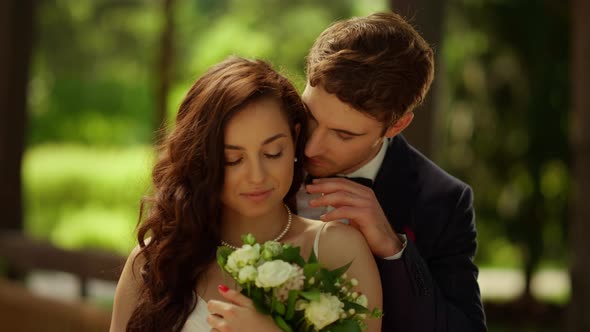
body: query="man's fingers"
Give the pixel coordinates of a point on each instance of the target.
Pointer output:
(338, 199)
(330, 185)
(235, 297)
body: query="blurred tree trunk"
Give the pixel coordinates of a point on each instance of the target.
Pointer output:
(16, 39)
(579, 319)
(165, 61)
(427, 17)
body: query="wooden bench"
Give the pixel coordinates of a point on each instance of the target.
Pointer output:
(21, 310)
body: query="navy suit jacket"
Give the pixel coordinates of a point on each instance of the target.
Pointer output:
(433, 286)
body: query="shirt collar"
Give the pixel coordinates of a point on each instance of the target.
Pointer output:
(370, 169)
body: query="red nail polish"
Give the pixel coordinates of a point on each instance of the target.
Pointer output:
(223, 288)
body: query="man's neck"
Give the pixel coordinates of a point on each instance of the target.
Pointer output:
(370, 169)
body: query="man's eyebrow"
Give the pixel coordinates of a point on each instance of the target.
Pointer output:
(266, 141)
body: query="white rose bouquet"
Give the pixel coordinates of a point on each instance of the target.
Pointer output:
(299, 295)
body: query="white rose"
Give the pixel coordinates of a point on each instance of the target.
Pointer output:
(274, 273)
(246, 255)
(362, 300)
(247, 273)
(325, 311)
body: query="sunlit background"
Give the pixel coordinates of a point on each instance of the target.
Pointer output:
(104, 74)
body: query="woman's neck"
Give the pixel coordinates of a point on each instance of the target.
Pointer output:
(264, 227)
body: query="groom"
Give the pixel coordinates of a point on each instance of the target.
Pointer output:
(365, 77)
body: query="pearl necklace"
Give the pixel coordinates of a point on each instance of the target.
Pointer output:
(276, 239)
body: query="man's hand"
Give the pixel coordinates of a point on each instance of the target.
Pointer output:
(359, 205)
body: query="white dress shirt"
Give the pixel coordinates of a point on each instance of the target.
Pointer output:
(369, 171)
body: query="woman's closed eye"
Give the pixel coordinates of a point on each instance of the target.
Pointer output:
(274, 155)
(233, 162)
(237, 161)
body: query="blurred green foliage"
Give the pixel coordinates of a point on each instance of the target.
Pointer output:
(85, 197)
(506, 123)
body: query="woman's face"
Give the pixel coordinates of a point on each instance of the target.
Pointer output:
(259, 157)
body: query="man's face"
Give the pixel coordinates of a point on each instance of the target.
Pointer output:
(341, 139)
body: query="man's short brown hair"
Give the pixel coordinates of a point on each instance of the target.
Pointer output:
(378, 64)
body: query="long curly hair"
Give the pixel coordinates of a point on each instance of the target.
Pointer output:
(183, 214)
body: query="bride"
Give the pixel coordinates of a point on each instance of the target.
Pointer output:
(229, 167)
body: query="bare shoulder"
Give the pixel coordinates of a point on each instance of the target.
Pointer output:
(135, 260)
(337, 233)
(127, 292)
(341, 243)
(131, 275)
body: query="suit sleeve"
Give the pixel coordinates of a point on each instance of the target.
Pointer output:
(440, 294)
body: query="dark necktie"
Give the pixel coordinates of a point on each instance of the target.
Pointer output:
(363, 181)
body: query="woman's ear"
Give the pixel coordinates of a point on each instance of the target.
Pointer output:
(399, 125)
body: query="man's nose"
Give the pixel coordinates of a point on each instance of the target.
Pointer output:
(314, 146)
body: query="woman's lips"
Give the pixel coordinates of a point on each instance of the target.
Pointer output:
(257, 196)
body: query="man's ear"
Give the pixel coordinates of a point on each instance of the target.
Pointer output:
(399, 126)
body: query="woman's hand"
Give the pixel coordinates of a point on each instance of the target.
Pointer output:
(237, 315)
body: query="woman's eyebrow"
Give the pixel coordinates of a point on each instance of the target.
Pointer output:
(266, 141)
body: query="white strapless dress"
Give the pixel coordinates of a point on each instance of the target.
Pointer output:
(197, 320)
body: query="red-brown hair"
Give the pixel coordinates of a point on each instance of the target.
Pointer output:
(183, 221)
(378, 64)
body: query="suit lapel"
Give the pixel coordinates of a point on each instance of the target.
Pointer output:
(396, 185)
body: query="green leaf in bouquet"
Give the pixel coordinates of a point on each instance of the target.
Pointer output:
(330, 277)
(222, 253)
(282, 324)
(328, 281)
(257, 296)
(278, 307)
(312, 258)
(312, 295)
(340, 271)
(310, 269)
(346, 325)
(291, 255)
(293, 294)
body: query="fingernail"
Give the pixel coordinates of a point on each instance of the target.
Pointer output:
(315, 180)
(322, 217)
(312, 202)
(223, 288)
